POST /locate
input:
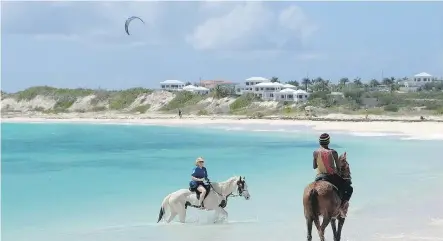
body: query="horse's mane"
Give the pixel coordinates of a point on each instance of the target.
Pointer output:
(225, 184)
(344, 166)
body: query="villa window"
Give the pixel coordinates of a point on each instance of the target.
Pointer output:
(163, 86)
(282, 96)
(271, 95)
(247, 83)
(306, 96)
(261, 88)
(290, 96)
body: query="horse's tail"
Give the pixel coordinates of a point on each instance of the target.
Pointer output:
(313, 200)
(162, 208)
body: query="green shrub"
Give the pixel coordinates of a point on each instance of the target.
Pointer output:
(391, 108)
(100, 96)
(287, 109)
(433, 105)
(354, 95)
(257, 115)
(39, 109)
(142, 108)
(63, 105)
(182, 99)
(55, 93)
(439, 111)
(124, 98)
(202, 112)
(98, 108)
(371, 111)
(242, 102)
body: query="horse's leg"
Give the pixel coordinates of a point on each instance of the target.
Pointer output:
(334, 228)
(220, 212)
(309, 228)
(171, 217)
(324, 224)
(224, 213)
(341, 221)
(182, 214)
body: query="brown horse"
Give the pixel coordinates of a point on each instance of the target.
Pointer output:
(320, 199)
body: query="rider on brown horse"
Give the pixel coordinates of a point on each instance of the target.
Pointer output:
(326, 162)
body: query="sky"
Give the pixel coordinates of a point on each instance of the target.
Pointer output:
(84, 44)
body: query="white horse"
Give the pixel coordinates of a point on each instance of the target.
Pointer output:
(178, 201)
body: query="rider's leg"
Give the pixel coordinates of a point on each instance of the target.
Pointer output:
(347, 193)
(202, 194)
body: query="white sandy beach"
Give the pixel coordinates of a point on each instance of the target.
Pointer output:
(411, 130)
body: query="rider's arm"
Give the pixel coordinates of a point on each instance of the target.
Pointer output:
(314, 164)
(206, 172)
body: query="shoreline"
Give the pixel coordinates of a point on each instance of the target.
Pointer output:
(409, 129)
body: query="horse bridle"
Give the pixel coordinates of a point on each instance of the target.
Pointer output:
(240, 189)
(240, 186)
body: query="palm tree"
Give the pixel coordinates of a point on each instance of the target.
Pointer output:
(374, 83)
(306, 82)
(293, 82)
(274, 79)
(325, 85)
(344, 81)
(387, 81)
(357, 82)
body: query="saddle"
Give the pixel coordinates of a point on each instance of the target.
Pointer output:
(197, 192)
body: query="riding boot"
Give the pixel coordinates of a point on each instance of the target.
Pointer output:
(344, 208)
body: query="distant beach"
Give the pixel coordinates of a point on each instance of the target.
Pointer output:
(408, 127)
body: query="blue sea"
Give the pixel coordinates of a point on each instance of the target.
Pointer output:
(92, 182)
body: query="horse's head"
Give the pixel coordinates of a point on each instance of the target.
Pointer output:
(242, 188)
(345, 171)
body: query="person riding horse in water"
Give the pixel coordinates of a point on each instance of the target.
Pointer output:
(326, 161)
(198, 177)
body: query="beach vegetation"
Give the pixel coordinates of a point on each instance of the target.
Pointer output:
(203, 112)
(39, 109)
(221, 91)
(47, 91)
(243, 101)
(141, 108)
(63, 104)
(356, 96)
(182, 99)
(122, 99)
(391, 108)
(257, 115)
(439, 111)
(98, 108)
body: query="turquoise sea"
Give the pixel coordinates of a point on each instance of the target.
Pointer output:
(91, 182)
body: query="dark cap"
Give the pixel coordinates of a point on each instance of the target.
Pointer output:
(324, 139)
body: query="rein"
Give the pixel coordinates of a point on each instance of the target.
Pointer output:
(230, 194)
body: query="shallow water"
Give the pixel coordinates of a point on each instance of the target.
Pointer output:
(106, 182)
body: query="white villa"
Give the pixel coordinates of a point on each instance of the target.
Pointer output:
(196, 89)
(415, 82)
(172, 85)
(266, 90)
(292, 95)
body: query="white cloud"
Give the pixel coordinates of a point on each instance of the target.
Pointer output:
(295, 19)
(252, 25)
(233, 29)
